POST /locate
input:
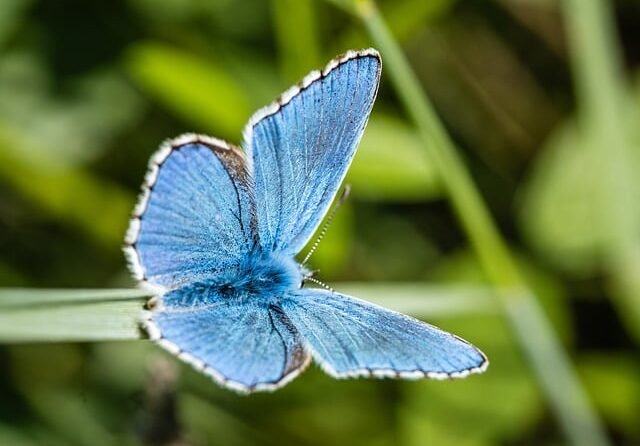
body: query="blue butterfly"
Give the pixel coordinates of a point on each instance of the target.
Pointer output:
(217, 229)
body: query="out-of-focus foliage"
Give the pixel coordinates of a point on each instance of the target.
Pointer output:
(559, 212)
(197, 90)
(89, 89)
(391, 165)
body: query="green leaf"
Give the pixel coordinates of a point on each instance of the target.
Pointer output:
(559, 213)
(565, 213)
(195, 88)
(562, 204)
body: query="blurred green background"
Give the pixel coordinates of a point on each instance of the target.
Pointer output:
(539, 96)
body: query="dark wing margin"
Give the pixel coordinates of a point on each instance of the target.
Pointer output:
(195, 217)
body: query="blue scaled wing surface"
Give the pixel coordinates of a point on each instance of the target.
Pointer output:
(349, 337)
(215, 225)
(195, 219)
(300, 147)
(242, 344)
(194, 229)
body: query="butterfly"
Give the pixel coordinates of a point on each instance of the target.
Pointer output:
(217, 229)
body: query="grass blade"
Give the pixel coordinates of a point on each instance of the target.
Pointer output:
(555, 374)
(94, 321)
(37, 315)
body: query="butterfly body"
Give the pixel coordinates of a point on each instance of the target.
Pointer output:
(263, 277)
(271, 275)
(217, 229)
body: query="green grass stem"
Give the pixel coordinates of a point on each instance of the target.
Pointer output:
(553, 369)
(44, 315)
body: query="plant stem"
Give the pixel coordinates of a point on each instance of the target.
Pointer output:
(93, 321)
(40, 315)
(28, 297)
(555, 374)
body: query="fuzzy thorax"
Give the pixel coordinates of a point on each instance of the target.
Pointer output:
(261, 280)
(265, 276)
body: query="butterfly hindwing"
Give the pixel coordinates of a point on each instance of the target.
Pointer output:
(299, 148)
(350, 337)
(244, 344)
(196, 216)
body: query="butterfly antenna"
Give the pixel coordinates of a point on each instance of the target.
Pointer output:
(320, 283)
(343, 197)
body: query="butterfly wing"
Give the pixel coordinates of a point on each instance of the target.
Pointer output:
(350, 337)
(300, 147)
(244, 344)
(195, 218)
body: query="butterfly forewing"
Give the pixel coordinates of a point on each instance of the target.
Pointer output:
(196, 217)
(300, 148)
